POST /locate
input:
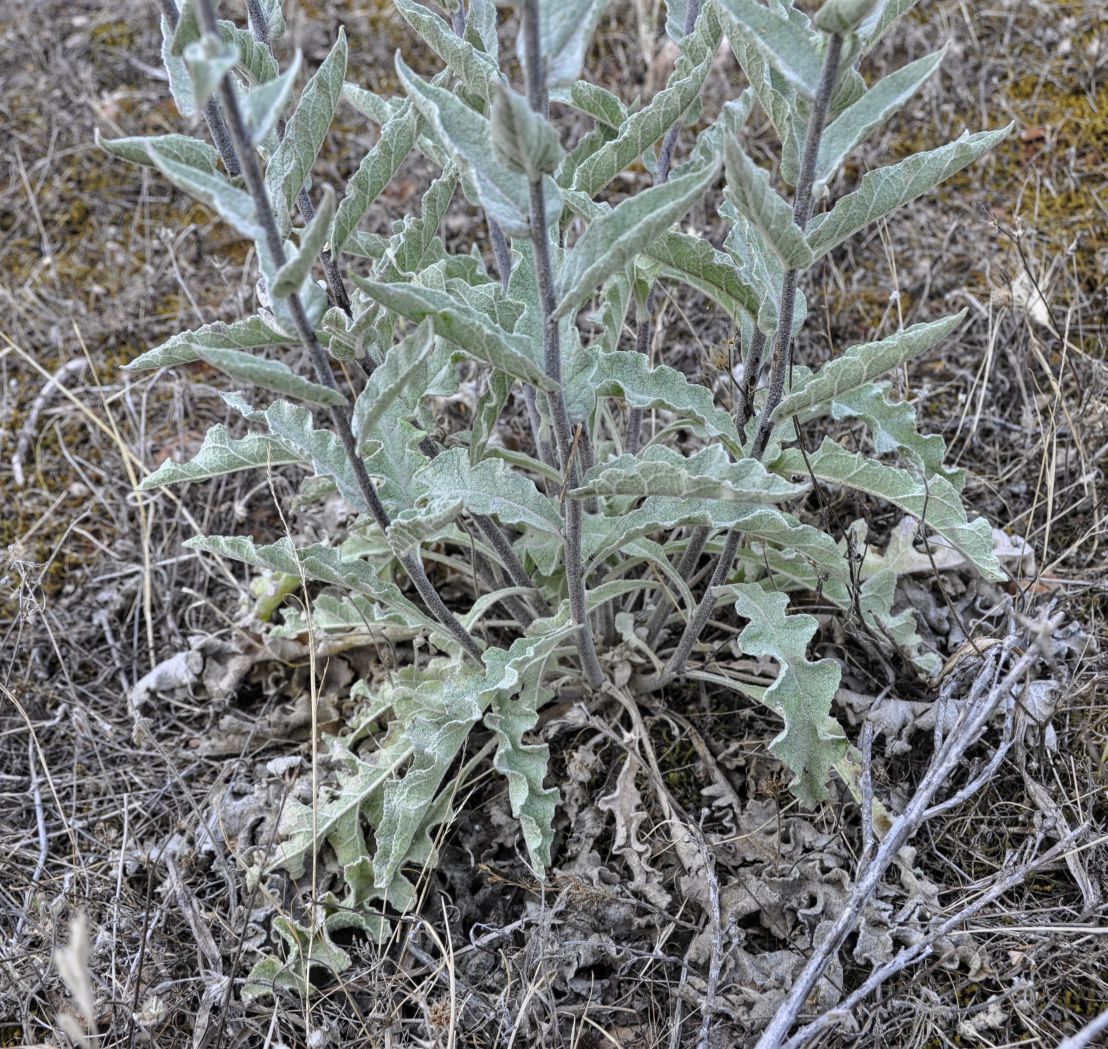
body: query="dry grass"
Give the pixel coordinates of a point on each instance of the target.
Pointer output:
(138, 831)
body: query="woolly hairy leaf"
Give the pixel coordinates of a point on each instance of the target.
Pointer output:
(190, 152)
(886, 189)
(307, 128)
(709, 474)
(785, 45)
(629, 375)
(880, 102)
(861, 364)
(476, 70)
(321, 448)
(321, 563)
(251, 333)
(223, 454)
(523, 140)
(378, 166)
(291, 276)
(491, 488)
(676, 13)
(411, 528)
(256, 61)
(565, 30)
(270, 375)
(187, 29)
(693, 261)
(409, 246)
(209, 60)
(749, 190)
(466, 134)
(935, 502)
(641, 130)
(180, 83)
(462, 325)
(404, 365)
(599, 103)
(265, 105)
(892, 424)
(760, 269)
(616, 237)
(812, 740)
(233, 205)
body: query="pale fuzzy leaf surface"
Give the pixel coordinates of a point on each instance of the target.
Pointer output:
(933, 501)
(190, 152)
(250, 333)
(811, 742)
(398, 374)
(759, 269)
(880, 102)
(784, 44)
(616, 237)
(180, 83)
(219, 454)
(708, 474)
(272, 375)
(886, 189)
(629, 375)
(235, 206)
(641, 130)
(290, 166)
(466, 134)
(749, 190)
(413, 527)
(313, 239)
(693, 261)
(481, 27)
(893, 427)
(409, 246)
(566, 28)
(461, 324)
(265, 105)
(256, 62)
(475, 69)
(491, 488)
(598, 102)
(860, 364)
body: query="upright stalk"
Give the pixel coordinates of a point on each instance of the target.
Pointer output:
(552, 355)
(802, 210)
(340, 416)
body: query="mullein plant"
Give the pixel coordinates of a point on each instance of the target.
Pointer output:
(588, 540)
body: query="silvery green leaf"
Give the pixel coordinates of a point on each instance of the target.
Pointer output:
(793, 52)
(411, 528)
(490, 407)
(270, 375)
(321, 448)
(881, 101)
(274, 18)
(256, 61)
(812, 740)
(881, 20)
(318, 562)
(602, 105)
(933, 501)
(187, 30)
(842, 16)
(503, 194)
(190, 152)
(566, 28)
(886, 189)
(676, 13)
(641, 130)
(233, 205)
(475, 69)
(251, 333)
(265, 105)
(615, 301)
(289, 167)
(491, 488)
(481, 27)
(693, 261)
(462, 325)
(378, 166)
(860, 364)
(180, 83)
(614, 238)
(313, 239)
(378, 108)
(223, 454)
(209, 60)
(629, 375)
(403, 363)
(749, 190)
(410, 245)
(522, 139)
(892, 425)
(709, 474)
(759, 268)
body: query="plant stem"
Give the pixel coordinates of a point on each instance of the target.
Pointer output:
(802, 210)
(552, 354)
(340, 417)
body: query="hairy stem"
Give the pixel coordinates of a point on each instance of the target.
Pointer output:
(802, 209)
(340, 417)
(552, 354)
